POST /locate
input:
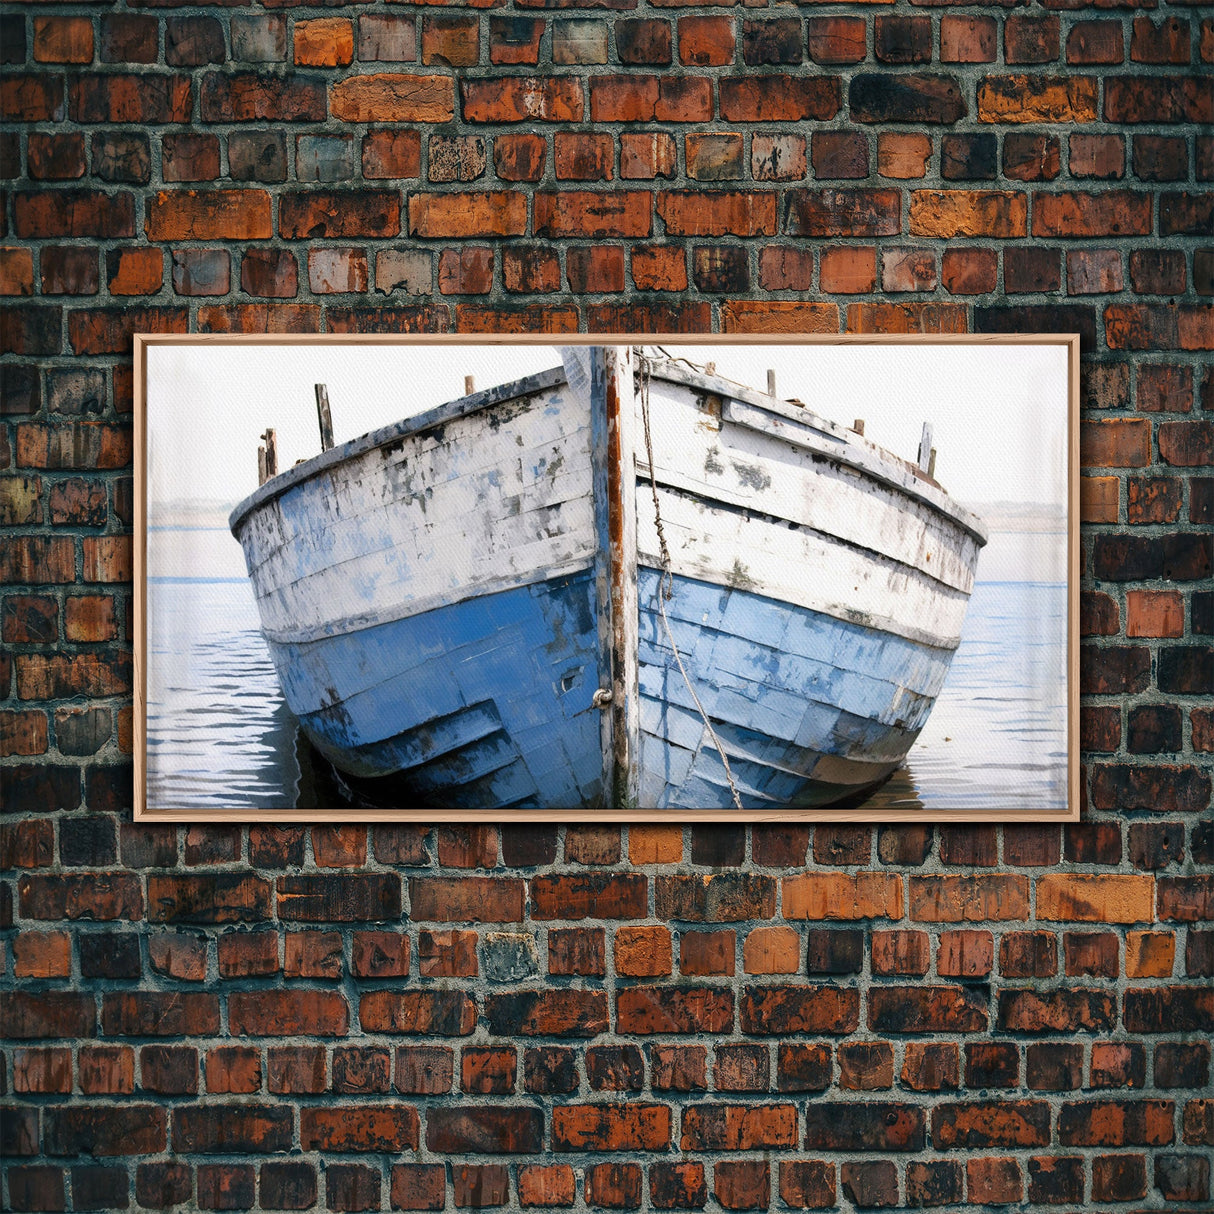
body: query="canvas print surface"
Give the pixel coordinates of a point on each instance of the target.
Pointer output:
(627, 578)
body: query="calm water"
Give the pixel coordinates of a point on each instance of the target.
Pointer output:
(220, 736)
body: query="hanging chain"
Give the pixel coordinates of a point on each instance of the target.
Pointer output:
(665, 590)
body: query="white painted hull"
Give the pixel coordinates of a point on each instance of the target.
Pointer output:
(444, 598)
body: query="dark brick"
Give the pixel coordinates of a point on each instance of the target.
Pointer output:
(834, 951)
(906, 98)
(864, 1126)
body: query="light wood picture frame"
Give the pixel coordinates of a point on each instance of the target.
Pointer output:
(622, 578)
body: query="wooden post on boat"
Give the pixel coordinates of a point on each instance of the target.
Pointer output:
(613, 443)
(858, 426)
(267, 456)
(469, 385)
(324, 416)
(925, 447)
(771, 382)
(931, 464)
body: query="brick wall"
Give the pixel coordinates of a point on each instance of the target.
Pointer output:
(663, 1018)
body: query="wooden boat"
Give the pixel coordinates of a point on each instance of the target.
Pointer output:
(623, 582)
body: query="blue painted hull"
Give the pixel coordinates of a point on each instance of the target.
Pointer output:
(810, 710)
(482, 704)
(476, 704)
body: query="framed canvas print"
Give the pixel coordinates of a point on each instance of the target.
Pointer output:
(631, 577)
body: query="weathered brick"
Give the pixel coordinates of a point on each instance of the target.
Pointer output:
(383, 1128)
(799, 1009)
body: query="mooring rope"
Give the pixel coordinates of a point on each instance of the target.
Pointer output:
(665, 590)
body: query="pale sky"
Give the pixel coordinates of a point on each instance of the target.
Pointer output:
(998, 411)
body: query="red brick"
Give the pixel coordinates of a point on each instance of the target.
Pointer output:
(968, 39)
(1115, 443)
(1168, 42)
(424, 1070)
(866, 1066)
(476, 1129)
(842, 896)
(522, 99)
(926, 1009)
(1008, 1123)
(466, 899)
(295, 1069)
(1093, 271)
(807, 1184)
(63, 40)
(546, 1186)
(243, 955)
(734, 1127)
(434, 1012)
(1099, 156)
(468, 214)
(106, 1070)
(324, 42)
(337, 213)
(465, 271)
(157, 1013)
(903, 156)
(706, 41)
(597, 844)
(1116, 1123)
(418, 1186)
(900, 952)
(73, 213)
(1023, 98)
(994, 1181)
(42, 1070)
(520, 157)
(389, 97)
(1175, 99)
(716, 898)
(131, 1129)
(515, 40)
(931, 1067)
(585, 213)
(55, 158)
(742, 1184)
(450, 41)
(1154, 613)
(1031, 39)
(209, 215)
(872, 1126)
(778, 98)
(583, 157)
(965, 954)
(537, 318)
(900, 39)
(595, 270)
(673, 1010)
(233, 1069)
(1103, 898)
(613, 1186)
(278, 1013)
(659, 268)
(836, 39)
(391, 154)
(799, 1009)
(179, 956)
(1110, 213)
(32, 97)
(42, 955)
(488, 1070)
